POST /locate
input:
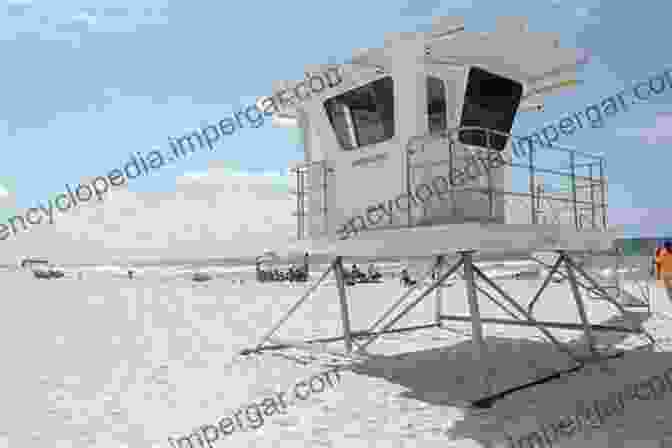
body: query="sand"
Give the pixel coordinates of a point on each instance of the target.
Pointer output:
(108, 362)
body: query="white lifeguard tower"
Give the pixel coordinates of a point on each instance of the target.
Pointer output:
(434, 104)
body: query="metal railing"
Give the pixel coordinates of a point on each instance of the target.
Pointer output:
(583, 204)
(307, 214)
(583, 209)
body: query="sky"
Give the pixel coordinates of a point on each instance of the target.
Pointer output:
(84, 86)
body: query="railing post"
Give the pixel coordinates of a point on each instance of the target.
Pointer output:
(304, 200)
(491, 204)
(299, 209)
(592, 194)
(539, 206)
(573, 171)
(531, 160)
(604, 205)
(325, 174)
(453, 203)
(408, 183)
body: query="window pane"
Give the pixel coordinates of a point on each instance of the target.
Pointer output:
(490, 102)
(341, 120)
(436, 105)
(363, 116)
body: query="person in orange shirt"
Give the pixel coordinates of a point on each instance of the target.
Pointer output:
(664, 267)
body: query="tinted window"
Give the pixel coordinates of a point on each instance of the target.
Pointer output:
(436, 105)
(363, 116)
(490, 101)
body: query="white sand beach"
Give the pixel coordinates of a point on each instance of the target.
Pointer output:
(109, 362)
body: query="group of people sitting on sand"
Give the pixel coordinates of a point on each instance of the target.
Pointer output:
(357, 276)
(374, 276)
(294, 274)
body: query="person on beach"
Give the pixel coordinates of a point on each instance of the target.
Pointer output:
(130, 274)
(664, 267)
(406, 278)
(356, 273)
(653, 271)
(656, 265)
(373, 273)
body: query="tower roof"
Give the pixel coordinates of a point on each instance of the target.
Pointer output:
(533, 58)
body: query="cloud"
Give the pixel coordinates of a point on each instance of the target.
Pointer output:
(586, 17)
(83, 17)
(18, 8)
(582, 12)
(628, 132)
(80, 23)
(115, 12)
(660, 133)
(417, 8)
(210, 213)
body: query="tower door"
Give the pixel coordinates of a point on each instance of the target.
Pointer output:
(368, 158)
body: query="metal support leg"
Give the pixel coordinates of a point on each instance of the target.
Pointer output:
(561, 275)
(305, 297)
(495, 301)
(417, 300)
(401, 299)
(606, 296)
(590, 342)
(479, 346)
(527, 315)
(596, 286)
(547, 280)
(592, 288)
(342, 297)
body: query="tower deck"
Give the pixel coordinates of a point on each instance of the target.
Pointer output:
(496, 240)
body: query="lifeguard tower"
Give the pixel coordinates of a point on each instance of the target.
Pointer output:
(433, 105)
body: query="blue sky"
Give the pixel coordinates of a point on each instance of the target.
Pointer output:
(83, 86)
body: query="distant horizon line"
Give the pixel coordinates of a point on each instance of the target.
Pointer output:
(243, 259)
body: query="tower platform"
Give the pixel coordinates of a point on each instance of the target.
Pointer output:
(498, 241)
